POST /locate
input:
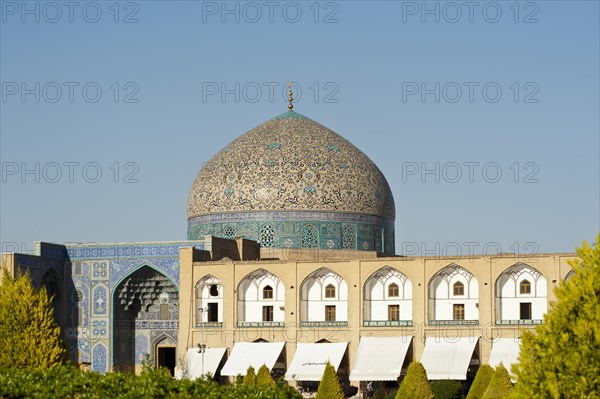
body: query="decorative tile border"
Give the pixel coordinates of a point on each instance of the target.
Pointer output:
(438, 323)
(519, 322)
(387, 323)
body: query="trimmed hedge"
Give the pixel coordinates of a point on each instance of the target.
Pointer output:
(447, 389)
(70, 382)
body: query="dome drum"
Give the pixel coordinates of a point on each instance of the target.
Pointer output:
(330, 231)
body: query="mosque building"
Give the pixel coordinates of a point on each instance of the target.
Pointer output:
(290, 262)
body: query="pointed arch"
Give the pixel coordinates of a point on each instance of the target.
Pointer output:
(521, 294)
(453, 296)
(569, 274)
(209, 300)
(145, 295)
(261, 298)
(387, 298)
(316, 305)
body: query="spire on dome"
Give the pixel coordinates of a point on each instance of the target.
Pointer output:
(290, 98)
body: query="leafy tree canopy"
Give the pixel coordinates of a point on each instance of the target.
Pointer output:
(29, 335)
(560, 359)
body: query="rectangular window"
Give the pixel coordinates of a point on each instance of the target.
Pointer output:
(267, 313)
(213, 312)
(330, 313)
(459, 311)
(164, 311)
(394, 312)
(525, 311)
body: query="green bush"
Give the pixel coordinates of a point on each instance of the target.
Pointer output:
(70, 382)
(29, 335)
(481, 382)
(250, 377)
(415, 384)
(500, 386)
(447, 389)
(330, 387)
(263, 377)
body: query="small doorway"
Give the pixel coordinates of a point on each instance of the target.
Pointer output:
(165, 357)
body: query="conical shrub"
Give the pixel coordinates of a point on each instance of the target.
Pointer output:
(250, 377)
(415, 384)
(500, 385)
(330, 387)
(263, 377)
(481, 382)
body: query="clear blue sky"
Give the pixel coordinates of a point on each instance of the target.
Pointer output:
(362, 67)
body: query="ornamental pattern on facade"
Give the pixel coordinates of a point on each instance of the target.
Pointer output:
(291, 163)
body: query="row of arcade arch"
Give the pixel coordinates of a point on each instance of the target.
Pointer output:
(521, 293)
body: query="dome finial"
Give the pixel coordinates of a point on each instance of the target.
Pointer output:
(290, 98)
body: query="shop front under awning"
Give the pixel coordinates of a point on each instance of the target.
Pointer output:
(448, 358)
(310, 360)
(380, 358)
(255, 354)
(198, 364)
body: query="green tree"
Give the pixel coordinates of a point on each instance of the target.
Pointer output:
(481, 382)
(447, 389)
(415, 384)
(263, 377)
(500, 385)
(560, 359)
(250, 377)
(29, 335)
(330, 387)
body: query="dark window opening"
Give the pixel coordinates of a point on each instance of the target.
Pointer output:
(525, 311)
(458, 289)
(213, 312)
(393, 290)
(267, 313)
(214, 290)
(268, 292)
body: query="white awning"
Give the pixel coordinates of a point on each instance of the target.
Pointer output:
(505, 351)
(310, 360)
(255, 354)
(198, 364)
(380, 358)
(448, 358)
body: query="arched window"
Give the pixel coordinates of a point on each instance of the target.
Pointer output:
(393, 290)
(525, 287)
(330, 291)
(458, 288)
(268, 292)
(310, 237)
(214, 290)
(267, 236)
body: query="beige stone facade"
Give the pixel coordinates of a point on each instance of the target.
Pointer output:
(355, 268)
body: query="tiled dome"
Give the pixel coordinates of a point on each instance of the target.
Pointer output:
(289, 168)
